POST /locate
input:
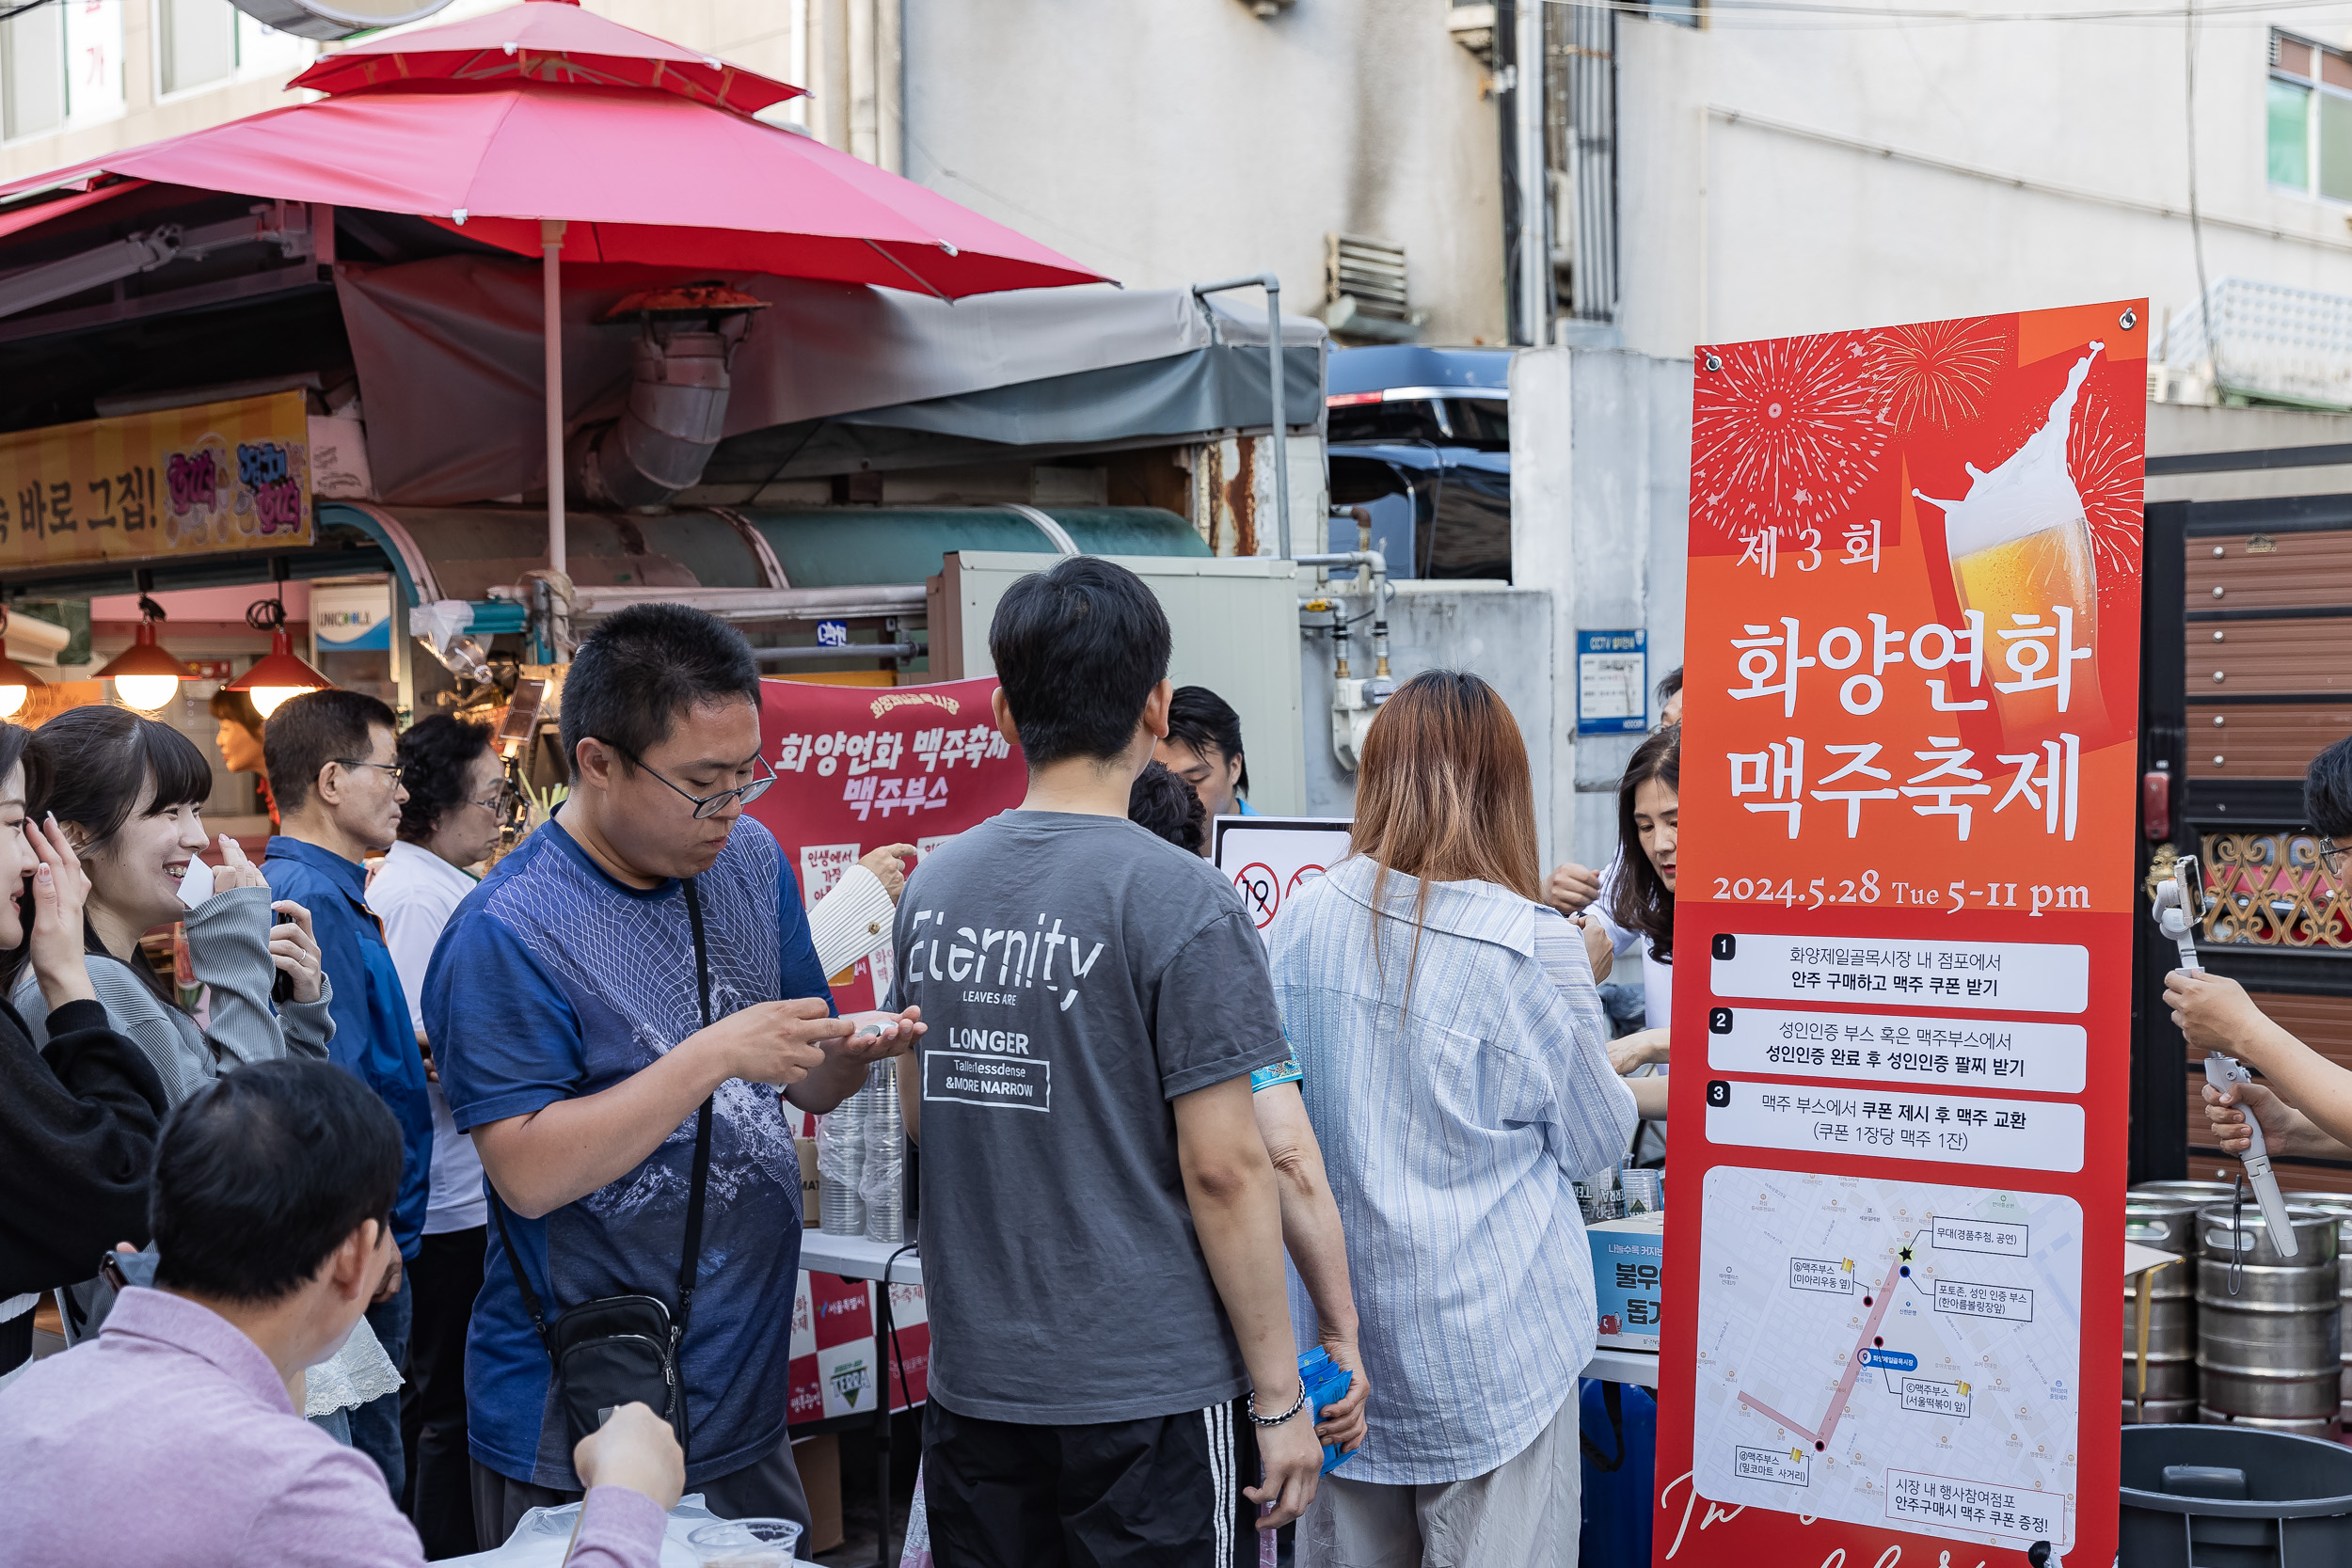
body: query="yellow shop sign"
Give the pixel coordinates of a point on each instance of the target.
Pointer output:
(220, 476)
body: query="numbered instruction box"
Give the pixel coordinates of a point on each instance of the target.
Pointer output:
(2005, 976)
(1962, 1052)
(2022, 1134)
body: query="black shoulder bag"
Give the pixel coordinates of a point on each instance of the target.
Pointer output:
(616, 1349)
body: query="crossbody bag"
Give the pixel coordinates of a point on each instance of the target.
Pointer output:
(617, 1349)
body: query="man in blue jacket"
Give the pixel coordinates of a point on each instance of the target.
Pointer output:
(332, 769)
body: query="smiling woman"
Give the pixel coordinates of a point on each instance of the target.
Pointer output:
(129, 792)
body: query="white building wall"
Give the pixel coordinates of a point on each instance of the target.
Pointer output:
(1740, 220)
(1174, 143)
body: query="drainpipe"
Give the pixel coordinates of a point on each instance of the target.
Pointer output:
(1273, 287)
(1534, 236)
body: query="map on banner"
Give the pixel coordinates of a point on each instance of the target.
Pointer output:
(1890, 1353)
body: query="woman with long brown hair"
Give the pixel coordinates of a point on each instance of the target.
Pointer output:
(1457, 1075)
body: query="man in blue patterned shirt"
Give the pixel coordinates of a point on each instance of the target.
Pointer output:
(562, 1005)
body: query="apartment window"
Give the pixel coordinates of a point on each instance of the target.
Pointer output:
(33, 71)
(203, 42)
(2310, 119)
(60, 64)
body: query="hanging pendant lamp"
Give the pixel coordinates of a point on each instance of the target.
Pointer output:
(145, 675)
(279, 674)
(16, 682)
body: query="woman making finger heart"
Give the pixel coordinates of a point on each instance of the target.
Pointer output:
(130, 792)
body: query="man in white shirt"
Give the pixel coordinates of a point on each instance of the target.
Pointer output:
(457, 797)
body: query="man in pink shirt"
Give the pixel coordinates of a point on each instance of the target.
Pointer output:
(171, 1440)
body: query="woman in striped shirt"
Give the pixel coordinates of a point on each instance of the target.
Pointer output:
(1457, 1077)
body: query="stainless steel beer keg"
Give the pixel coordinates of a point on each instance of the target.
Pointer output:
(2340, 1203)
(2268, 1344)
(2168, 1225)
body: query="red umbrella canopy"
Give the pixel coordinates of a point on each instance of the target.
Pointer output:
(545, 42)
(645, 174)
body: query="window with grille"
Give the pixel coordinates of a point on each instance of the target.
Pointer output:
(2310, 119)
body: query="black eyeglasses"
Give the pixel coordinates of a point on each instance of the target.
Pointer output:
(392, 768)
(711, 805)
(2332, 858)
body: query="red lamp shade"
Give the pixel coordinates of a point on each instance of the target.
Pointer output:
(278, 676)
(146, 676)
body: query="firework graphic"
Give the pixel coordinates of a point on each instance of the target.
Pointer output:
(1786, 431)
(1936, 372)
(2104, 460)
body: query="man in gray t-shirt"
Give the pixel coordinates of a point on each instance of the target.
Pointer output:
(1111, 1349)
(1057, 1037)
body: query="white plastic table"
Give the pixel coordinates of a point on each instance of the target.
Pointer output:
(855, 1257)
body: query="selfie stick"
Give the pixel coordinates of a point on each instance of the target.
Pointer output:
(2174, 919)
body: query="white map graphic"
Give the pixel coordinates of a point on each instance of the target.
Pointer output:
(1890, 1353)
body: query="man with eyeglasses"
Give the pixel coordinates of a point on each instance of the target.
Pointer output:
(457, 803)
(563, 1006)
(2304, 1100)
(333, 768)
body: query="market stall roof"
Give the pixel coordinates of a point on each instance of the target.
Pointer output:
(448, 350)
(546, 43)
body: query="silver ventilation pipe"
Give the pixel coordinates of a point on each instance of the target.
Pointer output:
(677, 398)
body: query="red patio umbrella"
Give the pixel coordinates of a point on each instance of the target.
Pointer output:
(550, 155)
(544, 43)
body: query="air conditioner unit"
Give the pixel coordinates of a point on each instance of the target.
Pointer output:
(1364, 290)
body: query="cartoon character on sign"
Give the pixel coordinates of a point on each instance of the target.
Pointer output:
(269, 489)
(1260, 893)
(203, 494)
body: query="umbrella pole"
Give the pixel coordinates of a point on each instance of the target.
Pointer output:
(552, 283)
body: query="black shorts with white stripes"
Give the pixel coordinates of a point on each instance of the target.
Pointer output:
(1164, 1492)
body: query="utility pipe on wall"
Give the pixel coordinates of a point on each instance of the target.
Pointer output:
(1534, 236)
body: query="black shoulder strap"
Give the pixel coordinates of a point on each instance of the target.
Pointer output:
(530, 1297)
(690, 1265)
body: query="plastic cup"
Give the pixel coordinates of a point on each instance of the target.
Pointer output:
(745, 1544)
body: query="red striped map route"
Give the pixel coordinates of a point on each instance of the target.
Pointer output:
(1853, 1363)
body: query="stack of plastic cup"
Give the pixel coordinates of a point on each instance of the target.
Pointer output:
(1599, 1200)
(840, 1163)
(1644, 1191)
(881, 1183)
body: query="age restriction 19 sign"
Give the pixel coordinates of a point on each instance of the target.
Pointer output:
(1906, 903)
(1269, 859)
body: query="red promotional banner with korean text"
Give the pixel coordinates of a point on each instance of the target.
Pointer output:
(859, 766)
(1904, 910)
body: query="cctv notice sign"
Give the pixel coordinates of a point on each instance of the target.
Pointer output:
(1903, 928)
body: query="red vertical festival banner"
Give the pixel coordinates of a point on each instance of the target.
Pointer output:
(1903, 935)
(859, 766)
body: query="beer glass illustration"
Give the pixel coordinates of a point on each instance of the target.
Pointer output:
(2019, 543)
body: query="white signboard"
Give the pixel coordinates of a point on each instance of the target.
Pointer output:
(1269, 859)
